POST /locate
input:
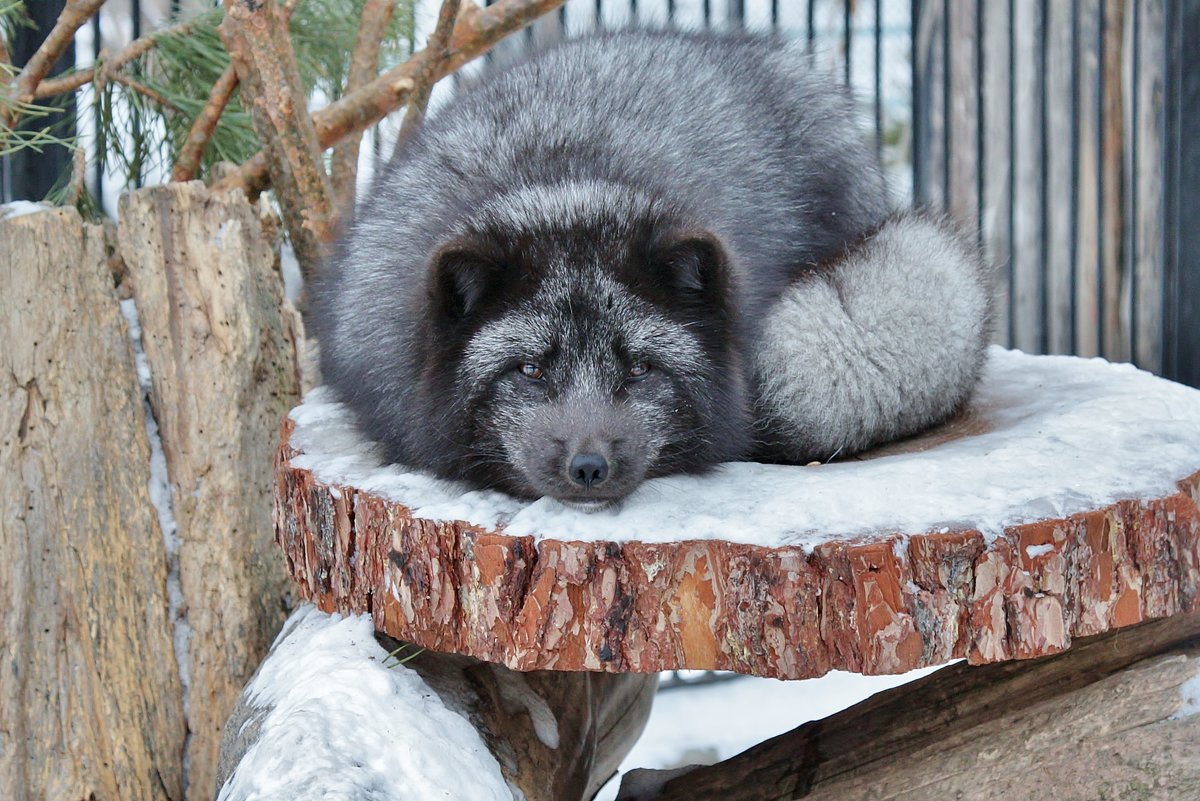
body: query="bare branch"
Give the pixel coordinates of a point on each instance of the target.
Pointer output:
(23, 87)
(78, 175)
(432, 69)
(476, 31)
(73, 17)
(201, 132)
(136, 48)
(364, 65)
(256, 36)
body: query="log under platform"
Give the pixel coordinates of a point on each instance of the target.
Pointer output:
(1063, 503)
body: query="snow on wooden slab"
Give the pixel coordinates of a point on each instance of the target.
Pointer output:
(1057, 435)
(1062, 503)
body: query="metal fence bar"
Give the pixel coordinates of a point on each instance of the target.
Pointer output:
(1181, 357)
(877, 77)
(810, 31)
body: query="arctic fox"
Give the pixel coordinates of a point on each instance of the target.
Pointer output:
(639, 254)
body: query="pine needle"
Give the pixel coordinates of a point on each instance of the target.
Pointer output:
(137, 135)
(395, 654)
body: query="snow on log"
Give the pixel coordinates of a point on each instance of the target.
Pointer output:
(331, 714)
(1062, 504)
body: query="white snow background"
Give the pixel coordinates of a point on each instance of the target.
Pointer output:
(1063, 435)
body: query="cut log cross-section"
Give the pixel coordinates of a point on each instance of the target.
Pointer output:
(1062, 504)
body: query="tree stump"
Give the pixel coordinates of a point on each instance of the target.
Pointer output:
(141, 586)
(1062, 504)
(90, 699)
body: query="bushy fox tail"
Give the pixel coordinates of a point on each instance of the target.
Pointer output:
(879, 344)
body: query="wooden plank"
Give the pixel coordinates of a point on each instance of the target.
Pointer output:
(1060, 116)
(90, 698)
(1028, 293)
(997, 161)
(1087, 219)
(963, 122)
(1046, 729)
(223, 375)
(1112, 187)
(1147, 186)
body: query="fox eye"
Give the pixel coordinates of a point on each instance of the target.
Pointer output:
(531, 370)
(639, 369)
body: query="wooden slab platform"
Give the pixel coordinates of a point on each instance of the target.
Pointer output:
(877, 603)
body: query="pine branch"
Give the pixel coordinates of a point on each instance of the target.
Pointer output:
(134, 50)
(256, 35)
(188, 164)
(476, 31)
(74, 16)
(364, 65)
(433, 68)
(21, 90)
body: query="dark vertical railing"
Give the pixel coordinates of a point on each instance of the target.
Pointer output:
(919, 102)
(810, 28)
(136, 13)
(1101, 182)
(877, 77)
(98, 144)
(1131, 194)
(1073, 245)
(1181, 319)
(847, 20)
(29, 174)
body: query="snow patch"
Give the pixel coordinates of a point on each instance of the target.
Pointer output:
(1189, 692)
(517, 696)
(339, 724)
(160, 497)
(19, 208)
(289, 270)
(1061, 435)
(1034, 551)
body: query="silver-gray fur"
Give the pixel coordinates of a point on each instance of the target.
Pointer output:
(709, 205)
(875, 345)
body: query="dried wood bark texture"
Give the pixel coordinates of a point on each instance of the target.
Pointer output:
(883, 605)
(90, 701)
(223, 373)
(1101, 721)
(255, 32)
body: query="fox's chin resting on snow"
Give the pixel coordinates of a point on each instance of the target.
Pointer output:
(644, 254)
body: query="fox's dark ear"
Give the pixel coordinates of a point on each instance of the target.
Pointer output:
(694, 262)
(464, 276)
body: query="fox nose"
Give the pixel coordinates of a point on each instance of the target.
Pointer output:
(588, 469)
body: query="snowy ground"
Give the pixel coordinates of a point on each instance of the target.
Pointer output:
(708, 723)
